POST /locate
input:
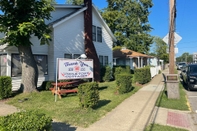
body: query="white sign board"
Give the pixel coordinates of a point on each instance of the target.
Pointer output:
(177, 38)
(75, 69)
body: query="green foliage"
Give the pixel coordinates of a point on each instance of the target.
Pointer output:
(121, 69)
(124, 83)
(108, 74)
(88, 94)
(142, 75)
(160, 48)
(46, 85)
(185, 57)
(128, 20)
(26, 121)
(75, 2)
(20, 20)
(5, 87)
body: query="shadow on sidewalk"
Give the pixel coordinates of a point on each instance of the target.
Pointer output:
(59, 126)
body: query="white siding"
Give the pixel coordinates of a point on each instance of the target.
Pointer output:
(104, 48)
(68, 38)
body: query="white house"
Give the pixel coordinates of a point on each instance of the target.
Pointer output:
(68, 41)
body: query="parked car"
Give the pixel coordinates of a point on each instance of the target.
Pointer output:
(180, 65)
(189, 76)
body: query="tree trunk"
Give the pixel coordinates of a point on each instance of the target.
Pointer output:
(29, 69)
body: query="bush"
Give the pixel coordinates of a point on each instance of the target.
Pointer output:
(5, 87)
(108, 74)
(142, 75)
(26, 121)
(88, 94)
(46, 85)
(121, 69)
(124, 83)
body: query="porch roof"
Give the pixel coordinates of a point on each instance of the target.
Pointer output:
(128, 53)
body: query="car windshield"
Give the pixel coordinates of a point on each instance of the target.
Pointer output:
(193, 69)
(182, 64)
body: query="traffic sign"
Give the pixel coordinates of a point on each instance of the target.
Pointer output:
(177, 38)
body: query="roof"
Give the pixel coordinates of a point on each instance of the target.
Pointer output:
(128, 53)
(79, 10)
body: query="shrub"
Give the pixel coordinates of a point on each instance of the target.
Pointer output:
(88, 94)
(142, 75)
(108, 74)
(124, 83)
(5, 87)
(26, 121)
(46, 85)
(121, 69)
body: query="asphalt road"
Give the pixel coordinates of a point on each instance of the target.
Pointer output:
(192, 99)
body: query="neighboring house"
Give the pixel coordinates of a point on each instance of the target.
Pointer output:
(136, 60)
(131, 58)
(67, 42)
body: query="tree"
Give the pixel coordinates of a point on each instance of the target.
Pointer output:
(160, 49)
(75, 2)
(128, 20)
(185, 57)
(19, 22)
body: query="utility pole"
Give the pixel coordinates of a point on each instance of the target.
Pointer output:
(171, 35)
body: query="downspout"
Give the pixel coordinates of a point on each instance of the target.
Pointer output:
(90, 50)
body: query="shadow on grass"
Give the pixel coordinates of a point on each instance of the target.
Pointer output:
(59, 126)
(102, 88)
(101, 103)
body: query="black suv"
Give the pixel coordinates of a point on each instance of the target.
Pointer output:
(189, 76)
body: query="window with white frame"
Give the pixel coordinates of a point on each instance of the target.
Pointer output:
(96, 33)
(68, 56)
(101, 59)
(41, 61)
(105, 60)
(3, 64)
(93, 33)
(99, 34)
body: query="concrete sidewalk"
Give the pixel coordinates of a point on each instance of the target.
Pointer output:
(134, 113)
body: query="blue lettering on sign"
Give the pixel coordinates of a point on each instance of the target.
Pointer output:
(70, 64)
(83, 64)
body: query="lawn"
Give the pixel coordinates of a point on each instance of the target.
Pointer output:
(157, 127)
(178, 104)
(67, 109)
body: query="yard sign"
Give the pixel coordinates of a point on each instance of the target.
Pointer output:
(75, 69)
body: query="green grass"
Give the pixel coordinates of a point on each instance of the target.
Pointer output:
(157, 127)
(178, 104)
(67, 109)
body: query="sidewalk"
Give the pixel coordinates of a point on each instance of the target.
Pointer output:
(134, 113)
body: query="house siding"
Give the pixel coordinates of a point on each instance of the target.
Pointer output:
(104, 48)
(69, 39)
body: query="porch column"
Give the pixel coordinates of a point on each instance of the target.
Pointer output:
(138, 64)
(142, 62)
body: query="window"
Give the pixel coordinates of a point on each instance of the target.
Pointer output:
(93, 33)
(3, 64)
(76, 56)
(96, 33)
(41, 61)
(101, 60)
(105, 60)
(68, 56)
(99, 34)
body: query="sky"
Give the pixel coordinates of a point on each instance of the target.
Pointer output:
(185, 25)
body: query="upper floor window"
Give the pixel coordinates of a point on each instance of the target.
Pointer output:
(96, 33)
(99, 34)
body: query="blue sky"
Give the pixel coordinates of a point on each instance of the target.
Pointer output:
(186, 21)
